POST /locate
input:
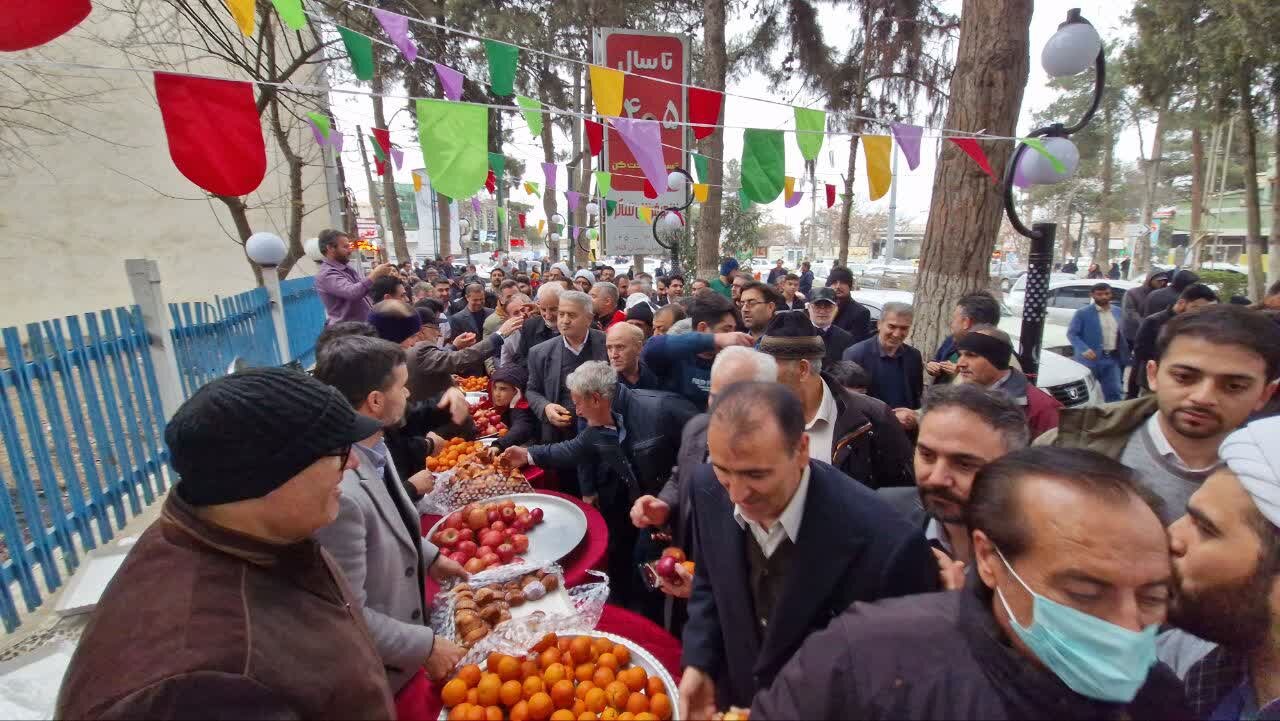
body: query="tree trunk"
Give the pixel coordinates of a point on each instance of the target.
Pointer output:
(1273, 273)
(549, 197)
(1249, 140)
(713, 62)
(966, 207)
(389, 196)
(1151, 180)
(239, 213)
(1197, 189)
(1102, 249)
(578, 216)
(846, 196)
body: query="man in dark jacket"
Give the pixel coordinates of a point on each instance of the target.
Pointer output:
(539, 327)
(776, 273)
(896, 369)
(972, 309)
(1196, 295)
(432, 367)
(1161, 298)
(1135, 301)
(851, 315)
(684, 361)
(551, 361)
(855, 433)
(226, 607)
(783, 544)
(625, 448)
(822, 311)
(806, 279)
(467, 325)
(1019, 641)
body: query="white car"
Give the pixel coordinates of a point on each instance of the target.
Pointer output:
(1066, 295)
(1068, 381)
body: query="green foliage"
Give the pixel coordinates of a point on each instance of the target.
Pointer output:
(1227, 282)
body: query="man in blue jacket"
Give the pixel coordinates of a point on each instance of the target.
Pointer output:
(683, 362)
(1095, 337)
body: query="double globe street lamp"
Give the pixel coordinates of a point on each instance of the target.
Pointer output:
(668, 224)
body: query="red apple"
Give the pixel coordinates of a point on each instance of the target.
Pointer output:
(467, 548)
(477, 519)
(498, 526)
(466, 534)
(448, 537)
(492, 516)
(508, 533)
(508, 514)
(491, 560)
(483, 551)
(525, 519)
(474, 565)
(491, 538)
(666, 567)
(520, 542)
(507, 503)
(674, 552)
(454, 521)
(536, 515)
(506, 552)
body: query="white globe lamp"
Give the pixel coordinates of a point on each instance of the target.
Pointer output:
(1071, 50)
(312, 248)
(1038, 170)
(675, 180)
(670, 223)
(557, 219)
(265, 249)
(593, 208)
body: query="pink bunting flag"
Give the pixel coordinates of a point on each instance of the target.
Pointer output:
(397, 28)
(336, 139)
(908, 137)
(794, 199)
(573, 232)
(644, 140)
(397, 156)
(549, 170)
(572, 196)
(450, 81)
(317, 132)
(475, 204)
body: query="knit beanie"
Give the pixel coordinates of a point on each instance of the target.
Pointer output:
(728, 266)
(244, 435)
(512, 375)
(792, 336)
(640, 311)
(395, 328)
(995, 350)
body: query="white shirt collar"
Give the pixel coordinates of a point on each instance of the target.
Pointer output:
(578, 350)
(787, 525)
(1165, 449)
(826, 409)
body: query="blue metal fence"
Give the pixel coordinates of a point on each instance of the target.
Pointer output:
(83, 436)
(304, 318)
(208, 337)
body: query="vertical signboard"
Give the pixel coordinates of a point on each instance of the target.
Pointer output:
(655, 55)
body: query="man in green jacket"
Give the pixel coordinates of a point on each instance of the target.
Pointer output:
(724, 284)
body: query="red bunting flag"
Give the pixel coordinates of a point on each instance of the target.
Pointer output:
(704, 108)
(831, 195)
(649, 192)
(520, 218)
(383, 137)
(214, 132)
(28, 24)
(491, 182)
(595, 136)
(973, 150)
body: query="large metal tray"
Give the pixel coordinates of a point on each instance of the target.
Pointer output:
(563, 526)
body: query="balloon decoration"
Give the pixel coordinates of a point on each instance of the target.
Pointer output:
(29, 24)
(214, 133)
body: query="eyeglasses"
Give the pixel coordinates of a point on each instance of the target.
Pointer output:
(749, 304)
(344, 453)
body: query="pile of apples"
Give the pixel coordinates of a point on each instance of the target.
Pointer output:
(485, 535)
(488, 421)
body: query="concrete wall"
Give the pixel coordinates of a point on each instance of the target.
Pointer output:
(74, 206)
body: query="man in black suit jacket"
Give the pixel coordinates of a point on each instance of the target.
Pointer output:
(782, 547)
(551, 362)
(851, 315)
(822, 311)
(470, 320)
(896, 369)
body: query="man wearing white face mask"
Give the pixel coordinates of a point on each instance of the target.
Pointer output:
(1058, 620)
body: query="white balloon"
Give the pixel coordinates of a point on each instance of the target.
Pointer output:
(312, 248)
(555, 237)
(1071, 50)
(1037, 170)
(675, 181)
(265, 248)
(557, 219)
(593, 208)
(670, 223)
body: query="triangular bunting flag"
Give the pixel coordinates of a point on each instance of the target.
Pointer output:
(417, 183)
(572, 196)
(450, 81)
(397, 156)
(397, 28)
(704, 110)
(700, 191)
(604, 181)
(532, 111)
(831, 195)
(291, 14)
(1038, 146)
(595, 136)
(520, 218)
(542, 226)
(606, 90)
(763, 160)
(788, 186)
(381, 142)
(810, 126)
(319, 126)
(475, 205)
(610, 207)
(360, 50)
(491, 182)
(794, 199)
(549, 172)
(743, 200)
(973, 150)
(532, 188)
(242, 11)
(502, 66)
(336, 140)
(455, 145)
(502, 219)
(649, 191)
(700, 166)
(879, 176)
(644, 213)
(908, 137)
(213, 131)
(644, 139)
(498, 163)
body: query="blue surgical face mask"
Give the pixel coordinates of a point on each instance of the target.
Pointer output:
(1095, 658)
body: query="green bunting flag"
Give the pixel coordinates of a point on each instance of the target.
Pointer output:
(321, 121)
(291, 14)
(532, 111)
(1037, 145)
(502, 66)
(700, 166)
(763, 164)
(610, 207)
(814, 120)
(498, 164)
(377, 149)
(604, 182)
(455, 146)
(502, 218)
(360, 49)
(743, 200)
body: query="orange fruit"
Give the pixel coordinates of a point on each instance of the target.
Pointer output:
(626, 716)
(579, 707)
(601, 645)
(548, 657)
(459, 712)
(616, 694)
(493, 713)
(563, 642)
(623, 654)
(562, 693)
(603, 676)
(533, 685)
(544, 643)
(637, 703)
(660, 705)
(555, 672)
(636, 678)
(585, 715)
(454, 692)
(654, 686)
(540, 707)
(585, 671)
(582, 689)
(580, 647)
(510, 693)
(607, 660)
(473, 697)
(487, 690)
(520, 712)
(491, 663)
(508, 668)
(563, 714)
(647, 716)
(609, 714)
(567, 659)
(595, 700)
(470, 675)
(529, 668)
(477, 713)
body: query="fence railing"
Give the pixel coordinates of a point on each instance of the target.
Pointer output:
(207, 337)
(303, 317)
(83, 445)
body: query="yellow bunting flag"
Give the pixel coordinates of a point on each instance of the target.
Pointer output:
(700, 192)
(788, 186)
(877, 149)
(542, 225)
(644, 214)
(242, 11)
(417, 183)
(606, 90)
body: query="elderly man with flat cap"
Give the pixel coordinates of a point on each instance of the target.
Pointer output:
(1226, 560)
(226, 607)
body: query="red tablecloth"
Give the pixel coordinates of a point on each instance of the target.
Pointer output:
(420, 700)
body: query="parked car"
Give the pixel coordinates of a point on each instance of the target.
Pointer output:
(1065, 379)
(1066, 295)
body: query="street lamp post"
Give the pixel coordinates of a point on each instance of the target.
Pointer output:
(268, 250)
(670, 221)
(1070, 51)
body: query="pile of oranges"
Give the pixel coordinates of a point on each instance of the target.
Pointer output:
(569, 678)
(472, 384)
(456, 452)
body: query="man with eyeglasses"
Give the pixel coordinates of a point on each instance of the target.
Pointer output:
(758, 302)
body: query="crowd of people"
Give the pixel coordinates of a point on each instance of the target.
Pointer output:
(877, 531)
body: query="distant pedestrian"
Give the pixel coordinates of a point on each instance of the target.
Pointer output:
(1095, 335)
(343, 292)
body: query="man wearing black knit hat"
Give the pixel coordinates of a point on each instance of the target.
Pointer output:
(640, 315)
(851, 316)
(984, 355)
(226, 607)
(853, 432)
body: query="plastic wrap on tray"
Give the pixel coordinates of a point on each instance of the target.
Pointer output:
(471, 483)
(579, 607)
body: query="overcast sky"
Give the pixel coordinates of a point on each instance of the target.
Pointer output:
(913, 186)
